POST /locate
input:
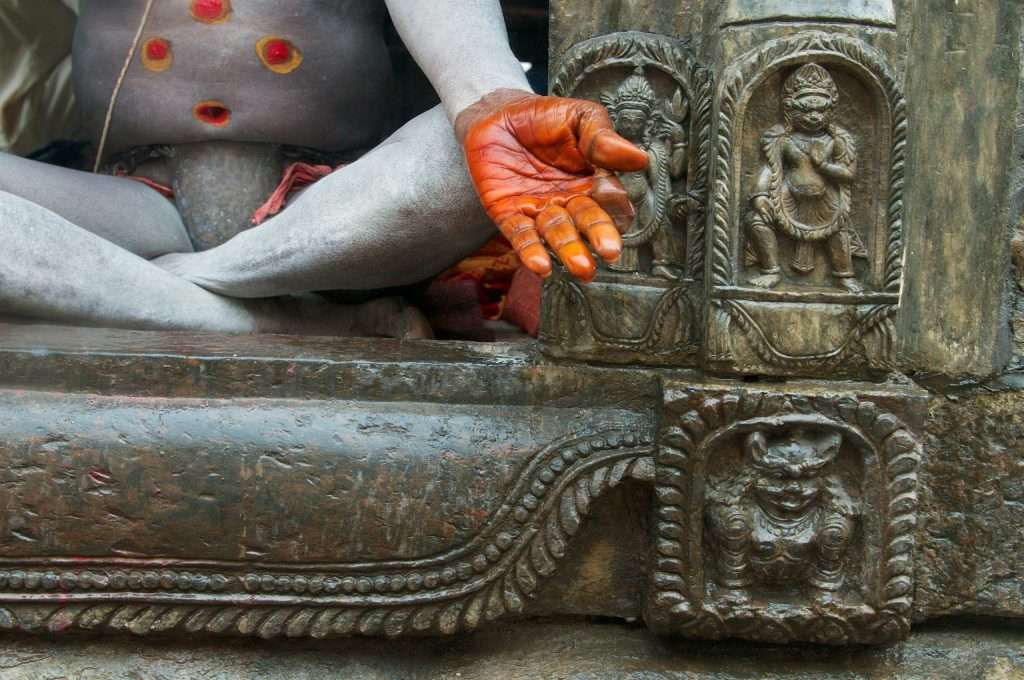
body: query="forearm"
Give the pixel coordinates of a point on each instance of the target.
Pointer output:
(839, 172)
(462, 47)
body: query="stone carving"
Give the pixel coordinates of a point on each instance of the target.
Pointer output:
(803, 190)
(642, 308)
(784, 517)
(657, 128)
(808, 210)
(492, 575)
(877, 12)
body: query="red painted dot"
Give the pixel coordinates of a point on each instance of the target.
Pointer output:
(212, 113)
(209, 10)
(278, 52)
(157, 49)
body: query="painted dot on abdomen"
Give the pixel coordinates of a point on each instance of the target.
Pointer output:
(278, 55)
(212, 112)
(157, 55)
(211, 11)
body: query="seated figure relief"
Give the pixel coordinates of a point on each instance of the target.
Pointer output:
(785, 518)
(803, 191)
(211, 100)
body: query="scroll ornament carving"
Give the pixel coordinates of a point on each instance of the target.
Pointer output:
(493, 575)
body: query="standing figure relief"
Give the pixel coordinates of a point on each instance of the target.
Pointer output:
(803, 191)
(657, 128)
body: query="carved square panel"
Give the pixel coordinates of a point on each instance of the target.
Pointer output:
(786, 515)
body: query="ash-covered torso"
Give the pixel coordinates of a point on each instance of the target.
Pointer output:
(311, 73)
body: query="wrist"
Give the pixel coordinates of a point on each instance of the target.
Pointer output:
(487, 106)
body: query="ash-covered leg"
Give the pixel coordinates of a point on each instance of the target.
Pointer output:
(122, 211)
(398, 215)
(52, 270)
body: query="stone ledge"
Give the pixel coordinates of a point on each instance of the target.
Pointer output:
(577, 650)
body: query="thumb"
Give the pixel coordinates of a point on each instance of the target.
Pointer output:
(605, 148)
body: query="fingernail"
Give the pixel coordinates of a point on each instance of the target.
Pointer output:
(609, 249)
(581, 266)
(615, 151)
(538, 264)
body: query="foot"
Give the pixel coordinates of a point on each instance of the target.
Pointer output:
(312, 314)
(393, 317)
(766, 280)
(850, 284)
(737, 597)
(668, 272)
(390, 317)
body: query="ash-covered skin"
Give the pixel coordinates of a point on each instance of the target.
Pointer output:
(401, 213)
(333, 101)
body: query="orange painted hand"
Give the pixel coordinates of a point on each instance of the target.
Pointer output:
(543, 169)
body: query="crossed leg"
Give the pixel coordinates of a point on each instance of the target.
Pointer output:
(121, 211)
(400, 214)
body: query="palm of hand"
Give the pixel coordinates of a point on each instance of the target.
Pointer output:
(542, 168)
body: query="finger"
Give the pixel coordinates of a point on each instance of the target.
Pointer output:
(557, 228)
(594, 223)
(521, 232)
(604, 147)
(612, 197)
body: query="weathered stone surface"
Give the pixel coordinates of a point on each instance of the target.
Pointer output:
(972, 506)
(1016, 284)
(956, 650)
(573, 21)
(864, 11)
(342, 471)
(962, 88)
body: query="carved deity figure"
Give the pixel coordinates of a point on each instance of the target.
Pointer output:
(657, 129)
(804, 188)
(784, 518)
(206, 100)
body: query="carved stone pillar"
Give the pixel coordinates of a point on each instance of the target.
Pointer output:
(852, 226)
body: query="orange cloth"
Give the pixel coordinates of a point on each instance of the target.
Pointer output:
(491, 268)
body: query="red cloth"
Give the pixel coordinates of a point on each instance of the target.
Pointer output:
(296, 176)
(522, 306)
(165, 191)
(506, 290)
(503, 288)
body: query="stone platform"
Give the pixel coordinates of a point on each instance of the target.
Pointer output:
(563, 650)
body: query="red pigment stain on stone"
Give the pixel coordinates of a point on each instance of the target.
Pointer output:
(212, 113)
